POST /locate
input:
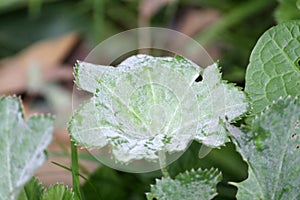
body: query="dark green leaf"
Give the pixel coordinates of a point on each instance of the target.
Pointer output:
(287, 10)
(106, 183)
(274, 68)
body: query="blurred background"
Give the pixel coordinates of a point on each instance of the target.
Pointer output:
(40, 40)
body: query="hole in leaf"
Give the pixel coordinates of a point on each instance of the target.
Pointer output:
(199, 78)
(297, 63)
(298, 147)
(297, 124)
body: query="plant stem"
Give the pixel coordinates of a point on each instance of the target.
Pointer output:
(75, 173)
(163, 164)
(234, 17)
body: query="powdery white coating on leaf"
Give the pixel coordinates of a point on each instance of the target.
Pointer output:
(217, 100)
(22, 146)
(192, 185)
(150, 104)
(272, 152)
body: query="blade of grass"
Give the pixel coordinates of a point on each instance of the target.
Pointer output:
(86, 179)
(237, 15)
(74, 170)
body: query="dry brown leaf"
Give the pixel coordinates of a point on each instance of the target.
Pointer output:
(45, 55)
(149, 7)
(196, 20)
(191, 23)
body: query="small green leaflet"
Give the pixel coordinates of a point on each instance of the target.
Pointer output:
(34, 190)
(151, 104)
(274, 68)
(58, 192)
(22, 146)
(272, 150)
(192, 185)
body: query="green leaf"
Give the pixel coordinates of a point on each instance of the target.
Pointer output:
(274, 68)
(150, 104)
(22, 146)
(32, 190)
(287, 10)
(107, 183)
(192, 185)
(58, 192)
(272, 152)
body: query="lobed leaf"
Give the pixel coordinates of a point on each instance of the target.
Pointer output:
(272, 150)
(58, 192)
(34, 190)
(192, 185)
(22, 146)
(151, 104)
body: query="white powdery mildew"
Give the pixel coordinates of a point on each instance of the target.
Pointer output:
(151, 104)
(218, 102)
(22, 146)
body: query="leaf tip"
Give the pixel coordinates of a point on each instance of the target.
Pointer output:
(233, 183)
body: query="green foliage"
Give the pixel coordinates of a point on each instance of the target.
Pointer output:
(225, 159)
(270, 146)
(156, 99)
(59, 15)
(58, 192)
(33, 190)
(107, 183)
(53, 18)
(274, 68)
(287, 10)
(192, 185)
(22, 146)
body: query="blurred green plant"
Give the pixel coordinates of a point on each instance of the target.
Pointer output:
(287, 10)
